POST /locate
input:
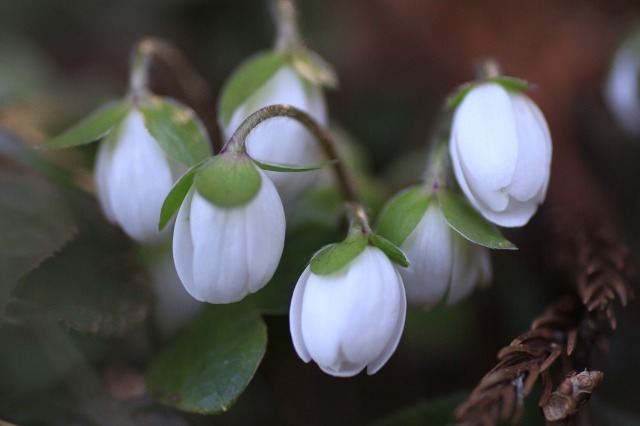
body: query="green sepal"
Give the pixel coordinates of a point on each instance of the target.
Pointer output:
(176, 196)
(228, 180)
(91, 128)
(177, 130)
(280, 167)
(511, 84)
(246, 80)
(313, 68)
(402, 214)
(465, 220)
(392, 251)
(337, 256)
(456, 98)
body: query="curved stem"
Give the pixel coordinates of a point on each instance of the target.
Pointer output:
(195, 87)
(237, 141)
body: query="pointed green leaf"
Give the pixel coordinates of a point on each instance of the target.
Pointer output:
(337, 256)
(176, 196)
(391, 250)
(206, 368)
(228, 181)
(462, 217)
(458, 95)
(177, 129)
(246, 80)
(91, 128)
(402, 214)
(511, 83)
(313, 68)
(279, 167)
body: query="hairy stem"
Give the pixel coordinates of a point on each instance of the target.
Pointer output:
(324, 138)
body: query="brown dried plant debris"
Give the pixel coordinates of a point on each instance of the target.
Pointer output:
(598, 266)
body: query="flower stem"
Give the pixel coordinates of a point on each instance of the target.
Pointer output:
(437, 174)
(288, 37)
(324, 138)
(488, 69)
(195, 88)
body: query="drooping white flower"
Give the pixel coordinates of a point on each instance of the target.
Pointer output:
(350, 319)
(501, 153)
(133, 177)
(283, 140)
(622, 89)
(223, 253)
(442, 262)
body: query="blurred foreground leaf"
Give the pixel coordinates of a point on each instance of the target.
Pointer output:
(34, 223)
(438, 411)
(206, 368)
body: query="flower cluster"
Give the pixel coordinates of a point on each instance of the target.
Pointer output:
(348, 308)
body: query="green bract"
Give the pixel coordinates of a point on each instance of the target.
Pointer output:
(402, 214)
(337, 256)
(251, 75)
(314, 69)
(91, 128)
(462, 217)
(177, 129)
(228, 180)
(508, 83)
(176, 196)
(391, 250)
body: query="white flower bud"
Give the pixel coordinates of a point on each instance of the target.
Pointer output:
(133, 177)
(501, 153)
(622, 90)
(442, 262)
(223, 253)
(351, 318)
(284, 140)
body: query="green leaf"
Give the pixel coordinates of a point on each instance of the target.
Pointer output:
(94, 284)
(34, 223)
(402, 214)
(228, 181)
(462, 217)
(208, 366)
(246, 80)
(511, 83)
(437, 411)
(337, 256)
(91, 128)
(279, 167)
(313, 68)
(176, 196)
(177, 129)
(458, 95)
(391, 250)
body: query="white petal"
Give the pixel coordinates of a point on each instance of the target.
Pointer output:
(139, 179)
(295, 316)
(103, 167)
(516, 214)
(429, 248)
(485, 134)
(621, 90)
(534, 149)
(183, 247)
(265, 234)
(386, 353)
(468, 264)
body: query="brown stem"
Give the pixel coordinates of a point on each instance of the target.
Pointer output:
(195, 88)
(324, 138)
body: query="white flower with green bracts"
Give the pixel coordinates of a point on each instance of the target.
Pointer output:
(348, 308)
(229, 233)
(133, 177)
(500, 148)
